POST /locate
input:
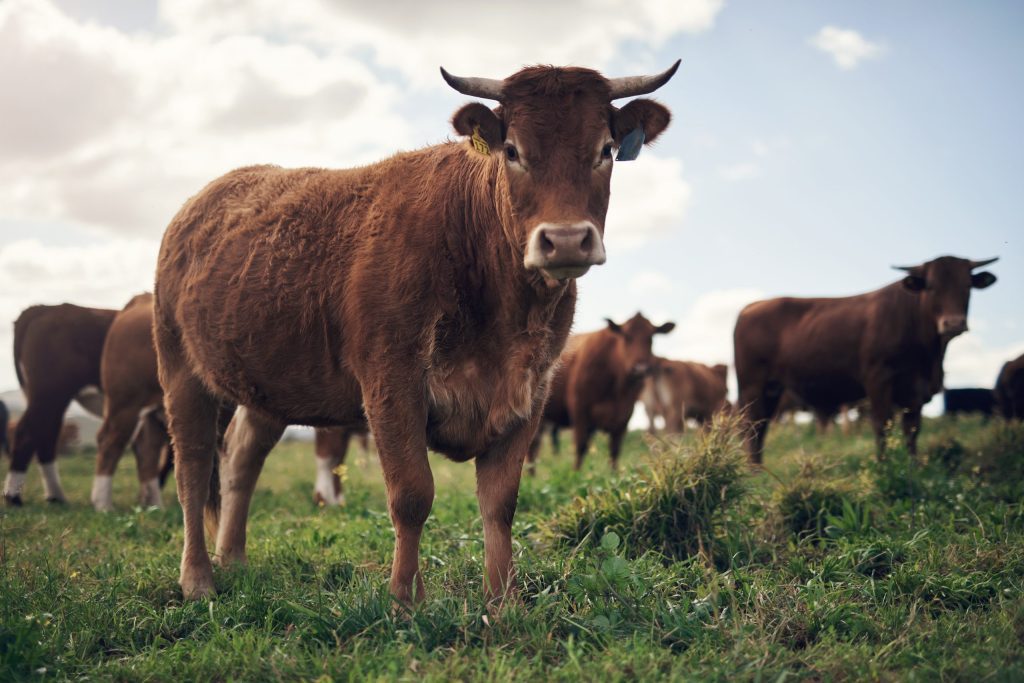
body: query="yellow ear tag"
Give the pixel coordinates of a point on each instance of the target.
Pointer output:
(479, 144)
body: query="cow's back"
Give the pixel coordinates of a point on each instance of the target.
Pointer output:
(128, 366)
(1009, 389)
(57, 349)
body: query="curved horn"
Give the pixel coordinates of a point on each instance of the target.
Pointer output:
(629, 86)
(908, 269)
(487, 88)
(979, 264)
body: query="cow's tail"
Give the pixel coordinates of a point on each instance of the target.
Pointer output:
(21, 326)
(211, 512)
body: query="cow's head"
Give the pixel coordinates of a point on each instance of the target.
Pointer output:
(944, 286)
(553, 137)
(636, 336)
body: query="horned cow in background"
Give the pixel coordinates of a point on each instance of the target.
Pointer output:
(598, 383)
(887, 345)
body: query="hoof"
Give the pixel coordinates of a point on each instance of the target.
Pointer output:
(13, 501)
(57, 501)
(197, 589)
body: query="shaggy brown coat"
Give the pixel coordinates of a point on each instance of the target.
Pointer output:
(394, 293)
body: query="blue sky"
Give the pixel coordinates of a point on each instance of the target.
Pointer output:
(783, 172)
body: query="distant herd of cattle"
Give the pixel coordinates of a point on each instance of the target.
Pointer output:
(428, 298)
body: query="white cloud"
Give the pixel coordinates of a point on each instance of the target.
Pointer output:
(970, 362)
(847, 47)
(650, 283)
(472, 38)
(649, 199)
(741, 171)
(103, 274)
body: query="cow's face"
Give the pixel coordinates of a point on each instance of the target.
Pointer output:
(944, 286)
(636, 336)
(553, 138)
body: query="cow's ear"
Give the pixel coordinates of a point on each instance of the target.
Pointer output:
(613, 326)
(664, 329)
(914, 283)
(982, 280)
(476, 120)
(647, 115)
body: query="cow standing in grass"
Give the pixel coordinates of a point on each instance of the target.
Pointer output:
(430, 292)
(598, 383)
(132, 407)
(887, 345)
(679, 390)
(57, 352)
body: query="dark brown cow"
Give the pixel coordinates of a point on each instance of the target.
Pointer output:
(887, 345)
(5, 417)
(57, 360)
(679, 390)
(331, 447)
(433, 290)
(132, 406)
(1009, 389)
(57, 351)
(598, 383)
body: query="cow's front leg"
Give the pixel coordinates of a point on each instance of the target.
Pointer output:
(397, 416)
(911, 428)
(498, 472)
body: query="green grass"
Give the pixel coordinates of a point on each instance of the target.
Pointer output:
(824, 566)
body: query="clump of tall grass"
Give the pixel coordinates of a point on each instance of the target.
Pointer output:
(809, 503)
(672, 507)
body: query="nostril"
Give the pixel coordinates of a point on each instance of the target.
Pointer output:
(547, 247)
(588, 243)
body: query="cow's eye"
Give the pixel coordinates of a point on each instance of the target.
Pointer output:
(606, 151)
(511, 153)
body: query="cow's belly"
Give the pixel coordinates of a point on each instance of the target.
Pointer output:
(474, 403)
(824, 391)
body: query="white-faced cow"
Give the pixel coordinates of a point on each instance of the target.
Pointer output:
(433, 290)
(887, 345)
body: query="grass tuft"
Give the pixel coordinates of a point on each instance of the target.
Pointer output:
(671, 508)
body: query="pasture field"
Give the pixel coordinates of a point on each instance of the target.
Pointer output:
(824, 566)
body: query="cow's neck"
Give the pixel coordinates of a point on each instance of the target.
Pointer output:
(495, 287)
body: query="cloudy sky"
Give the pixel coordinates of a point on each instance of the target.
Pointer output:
(815, 143)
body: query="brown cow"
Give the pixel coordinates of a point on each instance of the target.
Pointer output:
(680, 390)
(132, 406)
(430, 292)
(1009, 389)
(57, 352)
(887, 345)
(331, 447)
(598, 383)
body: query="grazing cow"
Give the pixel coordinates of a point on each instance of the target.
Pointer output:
(1009, 389)
(964, 401)
(887, 345)
(57, 360)
(598, 383)
(57, 351)
(331, 447)
(132, 406)
(428, 295)
(679, 390)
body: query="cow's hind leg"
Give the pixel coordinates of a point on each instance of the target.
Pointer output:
(192, 419)
(118, 426)
(249, 439)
